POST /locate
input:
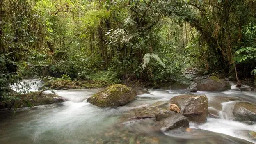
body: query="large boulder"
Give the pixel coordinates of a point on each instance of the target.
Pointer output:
(155, 117)
(113, 96)
(192, 106)
(156, 111)
(244, 111)
(212, 83)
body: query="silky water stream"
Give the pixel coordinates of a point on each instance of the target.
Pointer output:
(76, 121)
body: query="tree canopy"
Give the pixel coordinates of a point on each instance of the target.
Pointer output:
(113, 40)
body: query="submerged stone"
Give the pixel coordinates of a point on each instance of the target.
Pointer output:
(113, 96)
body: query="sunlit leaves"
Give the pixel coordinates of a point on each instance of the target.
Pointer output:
(246, 54)
(149, 56)
(92, 18)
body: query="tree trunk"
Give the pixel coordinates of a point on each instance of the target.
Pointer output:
(1, 26)
(102, 45)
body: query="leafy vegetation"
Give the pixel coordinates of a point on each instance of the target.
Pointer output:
(108, 42)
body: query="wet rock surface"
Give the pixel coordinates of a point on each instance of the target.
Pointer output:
(212, 83)
(174, 121)
(156, 117)
(113, 96)
(216, 101)
(248, 133)
(156, 111)
(193, 87)
(245, 111)
(192, 106)
(233, 108)
(213, 113)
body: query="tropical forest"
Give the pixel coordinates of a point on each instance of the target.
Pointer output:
(127, 71)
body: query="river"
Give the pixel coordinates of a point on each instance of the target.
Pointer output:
(77, 121)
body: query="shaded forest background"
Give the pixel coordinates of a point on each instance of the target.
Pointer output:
(153, 41)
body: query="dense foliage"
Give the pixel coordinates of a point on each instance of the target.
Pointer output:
(113, 40)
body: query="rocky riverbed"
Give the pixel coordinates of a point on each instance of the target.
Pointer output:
(148, 119)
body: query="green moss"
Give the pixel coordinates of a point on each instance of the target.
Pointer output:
(215, 78)
(29, 100)
(114, 95)
(93, 84)
(69, 84)
(252, 134)
(62, 84)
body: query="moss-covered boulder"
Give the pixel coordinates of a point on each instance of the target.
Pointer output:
(29, 100)
(113, 96)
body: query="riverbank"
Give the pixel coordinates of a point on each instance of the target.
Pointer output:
(17, 100)
(77, 121)
(38, 97)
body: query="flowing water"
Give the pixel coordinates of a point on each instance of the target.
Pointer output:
(29, 85)
(76, 121)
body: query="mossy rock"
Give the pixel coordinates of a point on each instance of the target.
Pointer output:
(215, 78)
(39, 98)
(113, 96)
(29, 100)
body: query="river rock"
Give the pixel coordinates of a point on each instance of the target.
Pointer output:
(212, 83)
(174, 108)
(216, 101)
(194, 107)
(174, 121)
(244, 111)
(156, 111)
(193, 87)
(213, 113)
(31, 99)
(251, 135)
(155, 117)
(113, 96)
